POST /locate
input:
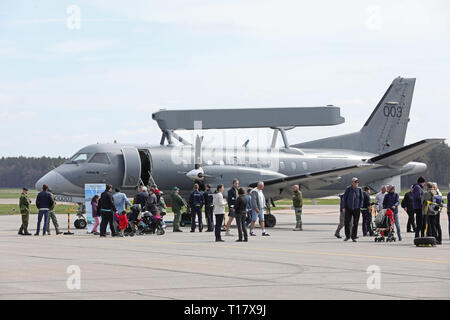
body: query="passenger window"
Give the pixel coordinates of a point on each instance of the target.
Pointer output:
(100, 158)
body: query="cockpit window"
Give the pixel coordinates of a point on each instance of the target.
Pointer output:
(100, 158)
(80, 157)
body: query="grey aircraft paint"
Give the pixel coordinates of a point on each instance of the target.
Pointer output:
(322, 167)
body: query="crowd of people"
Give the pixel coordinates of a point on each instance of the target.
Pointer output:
(246, 207)
(45, 202)
(422, 203)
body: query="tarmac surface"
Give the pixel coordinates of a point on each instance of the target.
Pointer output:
(309, 264)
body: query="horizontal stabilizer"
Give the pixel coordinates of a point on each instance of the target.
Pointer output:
(313, 180)
(401, 156)
(197, 119)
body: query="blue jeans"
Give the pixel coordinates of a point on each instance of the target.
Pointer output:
(44, 213)
(397, 226)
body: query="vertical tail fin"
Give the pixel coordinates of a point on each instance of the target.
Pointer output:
(385, 130)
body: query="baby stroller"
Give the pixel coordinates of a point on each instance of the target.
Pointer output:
(384, 223)
(151, 224)
(133, 220)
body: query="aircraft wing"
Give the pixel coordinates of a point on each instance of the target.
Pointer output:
(401, 156)
(313, 180)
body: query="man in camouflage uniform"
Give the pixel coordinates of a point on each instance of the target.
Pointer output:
(177, 204)
(297, 203)
(24, 205)
(52, 215)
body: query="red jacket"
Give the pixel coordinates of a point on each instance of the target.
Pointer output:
(123, 222)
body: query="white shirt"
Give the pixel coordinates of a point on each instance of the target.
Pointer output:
(219, 203)
(379, 198)
(261, 199)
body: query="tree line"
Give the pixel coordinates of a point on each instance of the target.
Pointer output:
(18, 172)
(438, 163)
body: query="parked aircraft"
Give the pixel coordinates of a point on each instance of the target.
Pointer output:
(375, 154)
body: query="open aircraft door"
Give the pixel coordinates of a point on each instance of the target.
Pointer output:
(132, 171)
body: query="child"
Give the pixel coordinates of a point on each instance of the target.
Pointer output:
(123, 223)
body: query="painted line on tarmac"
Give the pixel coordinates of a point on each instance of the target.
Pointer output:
(318, 253)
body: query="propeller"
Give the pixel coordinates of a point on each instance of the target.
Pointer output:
(197, 174)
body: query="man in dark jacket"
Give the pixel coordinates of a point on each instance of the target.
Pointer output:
(353, 199)
(407, 205)
(241, 214)
(391, 201)
(208, 201)
(196, 204)
(141, 198)
(417, 206)
(366, 213)
(231, 199)
(152, 202)
(44, 202)
(107, 209)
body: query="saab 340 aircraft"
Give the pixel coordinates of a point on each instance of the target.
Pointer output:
(375, 154)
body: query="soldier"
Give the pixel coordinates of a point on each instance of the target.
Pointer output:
(53, 216)
(208, 200)
(297, 202)
(177, 203)
(24, 205)
(162, 207)
(196, 204)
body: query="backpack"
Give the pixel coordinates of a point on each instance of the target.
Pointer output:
(434, 206)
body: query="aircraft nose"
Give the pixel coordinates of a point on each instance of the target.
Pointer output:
(51, 179)
(58, 183)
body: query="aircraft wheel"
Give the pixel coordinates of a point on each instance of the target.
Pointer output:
(425, 242)
(80, 224)
(269, 220)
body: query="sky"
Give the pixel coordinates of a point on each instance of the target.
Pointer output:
(73, 73)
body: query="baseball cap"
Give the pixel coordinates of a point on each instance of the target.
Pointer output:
(25, 189)
(355, 179)
(176, 188)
